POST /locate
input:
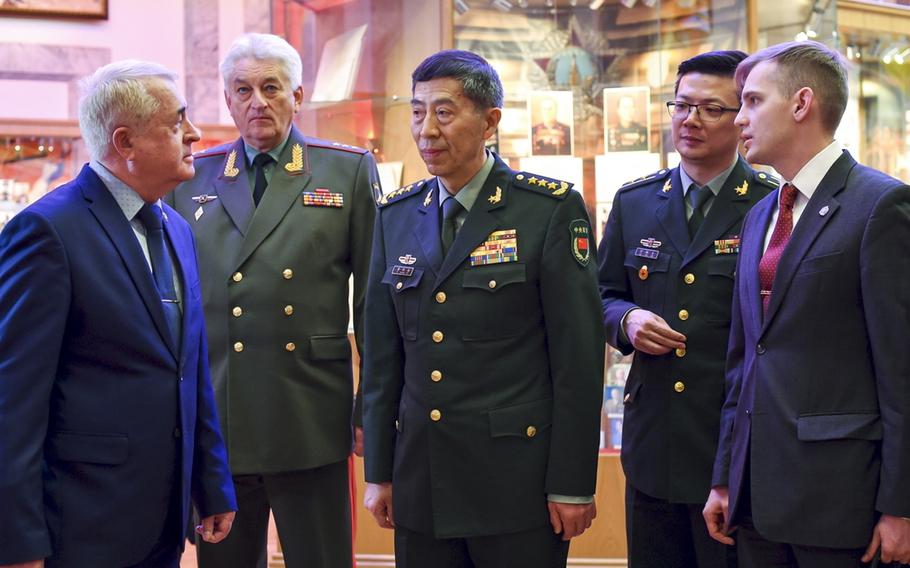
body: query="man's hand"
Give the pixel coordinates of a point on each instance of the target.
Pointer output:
(358, 441)
(892, 534)
(31, 564)
(216, 528)
(571, 519)
(649, 333)
(715, 513)
(377, 498)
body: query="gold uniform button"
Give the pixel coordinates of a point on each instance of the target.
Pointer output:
(436, 376)
(679, 386)
(288, 310)
(440, 297)
(238, 347)
(287, 273)
(237, 277)
(435, 415)
(438, 336)
(532, 431)
(492, 284)
(290, 347)
(399, 286)
(680, 352)
(684, 314)
(237, 311)
(689, 278)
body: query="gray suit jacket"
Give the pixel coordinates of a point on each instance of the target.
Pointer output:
(275, 282)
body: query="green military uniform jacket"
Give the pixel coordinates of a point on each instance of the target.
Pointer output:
(484, 367)
(275, 286)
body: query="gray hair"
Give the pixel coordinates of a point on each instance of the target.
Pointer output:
(263, 47)
(806, 64)
(115, 94)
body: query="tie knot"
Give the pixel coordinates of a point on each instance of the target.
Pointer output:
(698, 195)
(151, 217)
(450, 208)
(788, 196)
(262, 160)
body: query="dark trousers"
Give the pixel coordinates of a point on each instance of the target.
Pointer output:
(312, 511)
(757, 552)
(537, 548)
(661, 534)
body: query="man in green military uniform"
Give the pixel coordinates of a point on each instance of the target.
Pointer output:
(281, 222)
(668, 258)
(483, 375)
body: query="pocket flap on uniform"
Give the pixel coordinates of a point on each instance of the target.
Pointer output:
(402, 278)
(818, 427)
(494, 277)
(325, 347)
(525, 420)
(722, 265)
(108, 449)
(638, 257)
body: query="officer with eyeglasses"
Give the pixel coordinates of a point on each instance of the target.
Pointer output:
(667, 263)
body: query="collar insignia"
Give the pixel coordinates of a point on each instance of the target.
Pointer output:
(496, 197)
(230, 167)
(743, 189)
(296, 163)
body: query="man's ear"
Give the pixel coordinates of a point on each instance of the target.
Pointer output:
(803, 102)
(298, 98)
(122, 142)
(493, 116)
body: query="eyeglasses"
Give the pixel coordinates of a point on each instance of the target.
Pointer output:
(706, 112)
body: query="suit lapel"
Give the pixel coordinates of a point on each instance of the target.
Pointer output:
(752, 248)
(807, 229)
(481, 221)
(233, 188)
(115, 224)
(427, 229)
(290, 177)
(671, 212)
(731, 203)
(184, 257)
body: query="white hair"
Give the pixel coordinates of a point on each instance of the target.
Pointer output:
(115, 94)
(263, 47)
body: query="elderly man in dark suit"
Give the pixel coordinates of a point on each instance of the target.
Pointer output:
(107, 418)
(484, 351)
(814, 452)
(282, 222)
(667, 262)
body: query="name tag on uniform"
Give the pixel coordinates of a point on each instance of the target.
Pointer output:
(323, 198)
(726, 246)
(500, 246)
(646, 253)
(399, 270)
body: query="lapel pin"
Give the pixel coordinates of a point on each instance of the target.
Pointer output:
(204, 198)
(198, 213)
(428, 198)
(743, 189)
(650, 242)
(496, 197)
(407, 259)
(823, 211)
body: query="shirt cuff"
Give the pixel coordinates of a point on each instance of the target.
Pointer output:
(570, 499)
(622, 325)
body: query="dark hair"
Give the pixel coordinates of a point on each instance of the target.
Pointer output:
(479, 80)
(720, 63)
(806, 64)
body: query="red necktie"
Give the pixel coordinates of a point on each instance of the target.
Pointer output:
(767, 268)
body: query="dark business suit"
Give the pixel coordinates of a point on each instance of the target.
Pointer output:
(673, 401)
(107, 428)
(818, 387)
(275, 285)
(483, 381)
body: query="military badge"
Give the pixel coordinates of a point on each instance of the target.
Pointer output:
(399, 270)
(198, 213)
(204, 198)
(743, 189)
(581, 250)
(407, 259)
(646, 253)
(666, 187)
(428, 198)
(500, 246)
(650, 242)
(727, 246)
(322, 197)
(496, 197)
(643, 272)
(296, 163)
(230, 166)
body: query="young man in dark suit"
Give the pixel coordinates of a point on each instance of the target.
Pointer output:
(814, 452)
(668, 259)
(483, 375)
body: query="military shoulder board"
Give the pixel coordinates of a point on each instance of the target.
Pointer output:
(401, 193)
(541, 184)
(645, 180)
(767, 180)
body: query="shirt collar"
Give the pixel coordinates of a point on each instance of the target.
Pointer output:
(125, 196)
(467, 195)
(810, 176)
(715, 184)
(275, 152)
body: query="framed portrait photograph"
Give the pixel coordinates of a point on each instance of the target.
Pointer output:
(627, 120)
(551, 120)
(89, 9)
